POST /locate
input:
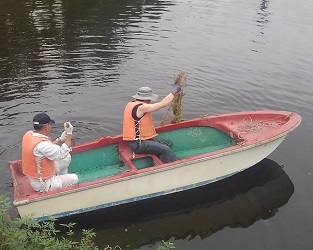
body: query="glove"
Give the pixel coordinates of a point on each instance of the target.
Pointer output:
(175, 89)
(63, 137)
(68, 127)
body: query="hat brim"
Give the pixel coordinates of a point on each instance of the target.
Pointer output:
(153, 98)
(52, 122)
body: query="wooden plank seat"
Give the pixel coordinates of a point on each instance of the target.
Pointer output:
(137, 161)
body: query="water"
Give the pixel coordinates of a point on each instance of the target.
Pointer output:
(81, 61)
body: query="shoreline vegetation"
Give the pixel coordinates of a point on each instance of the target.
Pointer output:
(27, 233)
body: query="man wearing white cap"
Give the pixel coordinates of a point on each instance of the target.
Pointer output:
(138, 127)
(43, 160)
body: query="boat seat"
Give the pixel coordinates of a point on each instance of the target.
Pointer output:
(132, 159)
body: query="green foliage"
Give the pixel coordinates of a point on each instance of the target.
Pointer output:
(29, 234)
(166, 246)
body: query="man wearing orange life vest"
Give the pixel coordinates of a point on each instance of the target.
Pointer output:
(138, 127)
(43, 160)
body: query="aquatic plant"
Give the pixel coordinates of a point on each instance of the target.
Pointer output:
(176, 104)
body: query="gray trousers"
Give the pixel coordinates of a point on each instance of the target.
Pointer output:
(160, 147)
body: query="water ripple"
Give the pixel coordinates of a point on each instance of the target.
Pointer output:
(82, 62)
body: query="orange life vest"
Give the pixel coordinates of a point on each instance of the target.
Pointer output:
(145, 124)
(29, 166)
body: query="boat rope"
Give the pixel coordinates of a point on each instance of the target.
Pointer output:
(111, 248)
(248, 126)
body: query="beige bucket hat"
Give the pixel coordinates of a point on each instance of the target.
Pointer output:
(145, 93)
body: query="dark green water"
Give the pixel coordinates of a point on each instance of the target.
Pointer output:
(81, 61)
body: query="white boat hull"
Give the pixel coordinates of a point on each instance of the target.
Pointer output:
(162, 181)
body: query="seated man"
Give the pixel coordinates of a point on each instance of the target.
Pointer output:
(138, 127)
(43, 161)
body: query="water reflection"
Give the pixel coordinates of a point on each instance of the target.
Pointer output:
(72, 43)
(240, 201)
(264, 13)
(261, 21)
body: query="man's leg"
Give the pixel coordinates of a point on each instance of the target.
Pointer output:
(166, 142)
(61, 166)
(164, 152)
(61, 181)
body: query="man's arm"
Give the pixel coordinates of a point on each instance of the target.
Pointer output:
(147, 107)
(51, 151)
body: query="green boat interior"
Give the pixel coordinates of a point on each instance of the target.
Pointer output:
(115, 158)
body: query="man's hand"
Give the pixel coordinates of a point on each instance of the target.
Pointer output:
(63, 137)
(175, 90)
(68, 127)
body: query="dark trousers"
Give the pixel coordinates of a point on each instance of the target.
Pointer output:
(160, 147)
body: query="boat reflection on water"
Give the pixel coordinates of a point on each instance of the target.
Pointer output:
(238, 201)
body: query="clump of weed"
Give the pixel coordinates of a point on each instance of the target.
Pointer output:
(176, 105)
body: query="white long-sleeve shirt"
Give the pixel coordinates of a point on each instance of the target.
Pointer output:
(46, 149)
(61, 157)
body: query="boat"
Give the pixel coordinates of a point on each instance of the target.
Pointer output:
(209, 148)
